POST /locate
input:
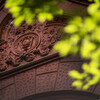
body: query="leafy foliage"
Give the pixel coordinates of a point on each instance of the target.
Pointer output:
(82, 35)
(84, 38)
(29, 10)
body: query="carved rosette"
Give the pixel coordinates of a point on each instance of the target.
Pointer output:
(28, 42)
(23, 42)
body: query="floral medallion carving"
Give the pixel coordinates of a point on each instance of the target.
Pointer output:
(27, 43)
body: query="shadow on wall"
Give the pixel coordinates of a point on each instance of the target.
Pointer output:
(63, 95)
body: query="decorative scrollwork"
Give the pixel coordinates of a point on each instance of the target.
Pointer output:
(27, 42)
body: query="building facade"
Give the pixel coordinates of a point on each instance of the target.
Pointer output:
(30, 69)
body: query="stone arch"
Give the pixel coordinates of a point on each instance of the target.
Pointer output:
(63, 95)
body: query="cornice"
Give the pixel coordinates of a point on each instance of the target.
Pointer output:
(2, 4)
(81, 2)
(84, 2)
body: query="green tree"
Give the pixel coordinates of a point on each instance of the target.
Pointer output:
(82, 34)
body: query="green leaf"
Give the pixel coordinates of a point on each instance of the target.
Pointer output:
(18, 21)
(87, 48)
(77, 84)
(63, 47)
(76, 75)
(89, 24)
(71, 29)
(93, 8)
(76, 21)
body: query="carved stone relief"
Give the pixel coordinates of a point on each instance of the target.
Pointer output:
(27, 42)
(3, 55)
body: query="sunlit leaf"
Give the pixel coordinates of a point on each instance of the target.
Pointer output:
(71, 29)
(76, 75)
(63, 46)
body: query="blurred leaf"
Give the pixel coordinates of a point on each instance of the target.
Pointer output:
(41, 9)
(86, 48)
(19, 20)
(63, 46)
(77, 84)
(76, 75)
(71, 29)
(83, 37)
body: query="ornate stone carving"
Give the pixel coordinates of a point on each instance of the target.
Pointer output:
(28, 42)
(51, 35)
(3, 54)
(2, 67)
(13, 60)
